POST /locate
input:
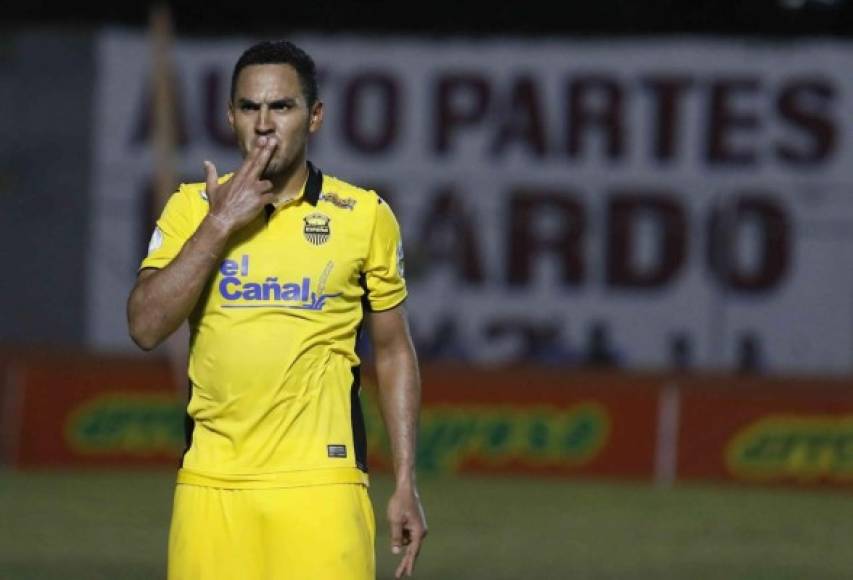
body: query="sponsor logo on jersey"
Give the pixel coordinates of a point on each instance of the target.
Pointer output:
(337, 201)
(239, 290)
(336, 450)
(317, 228)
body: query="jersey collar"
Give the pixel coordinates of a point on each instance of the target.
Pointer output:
(313, 185)
(310, 190)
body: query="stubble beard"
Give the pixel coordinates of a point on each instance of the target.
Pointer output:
(280, 169)
(271, 171)
(274, 170)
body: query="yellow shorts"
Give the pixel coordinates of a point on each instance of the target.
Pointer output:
(297, 533)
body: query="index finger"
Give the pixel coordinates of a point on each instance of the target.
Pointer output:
(412, 551)
(248, 161)
(406, 566)
(257, 161)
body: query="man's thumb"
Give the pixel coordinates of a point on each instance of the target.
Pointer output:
(211, 177)
(396, 536)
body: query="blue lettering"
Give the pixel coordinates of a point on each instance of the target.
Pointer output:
(223, 288)
(252, 291)
(290, 292)
(244, 271)
(233, 287)
(271, 286)
(228, 267)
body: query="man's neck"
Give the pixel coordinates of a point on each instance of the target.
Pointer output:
(289, 184)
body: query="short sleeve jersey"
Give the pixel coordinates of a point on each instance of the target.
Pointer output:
(273, 368)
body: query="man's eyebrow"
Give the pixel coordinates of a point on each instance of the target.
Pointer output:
(283, 102)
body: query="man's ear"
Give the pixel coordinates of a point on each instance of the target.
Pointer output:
(317, 114)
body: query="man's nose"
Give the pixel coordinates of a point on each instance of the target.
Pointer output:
(262, 122)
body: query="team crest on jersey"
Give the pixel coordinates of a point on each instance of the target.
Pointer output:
(337, 201)
(317, 229)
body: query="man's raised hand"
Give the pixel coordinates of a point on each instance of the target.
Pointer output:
(239, 200)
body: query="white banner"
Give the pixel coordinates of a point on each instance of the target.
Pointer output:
(640, 203)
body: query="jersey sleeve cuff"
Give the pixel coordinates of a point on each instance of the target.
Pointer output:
(387, 304)
(155, 263)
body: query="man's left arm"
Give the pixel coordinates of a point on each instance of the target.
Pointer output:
(399, 392)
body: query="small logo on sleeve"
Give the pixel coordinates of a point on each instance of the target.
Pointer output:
(156, 240)
(401, 260)
(337, 450)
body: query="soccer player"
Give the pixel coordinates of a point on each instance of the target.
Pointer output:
(275, 266)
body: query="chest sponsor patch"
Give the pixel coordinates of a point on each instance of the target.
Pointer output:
(317, 230)
(239, 288)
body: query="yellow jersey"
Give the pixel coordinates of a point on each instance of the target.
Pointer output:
(273, 369)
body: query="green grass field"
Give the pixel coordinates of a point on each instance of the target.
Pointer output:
(92, 526)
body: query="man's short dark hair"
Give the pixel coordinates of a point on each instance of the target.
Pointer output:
(280, 52)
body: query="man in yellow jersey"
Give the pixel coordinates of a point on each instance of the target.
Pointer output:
(275, 266)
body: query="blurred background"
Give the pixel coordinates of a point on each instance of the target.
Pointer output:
(628, 234)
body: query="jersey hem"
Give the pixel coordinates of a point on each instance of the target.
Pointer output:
(301, 478)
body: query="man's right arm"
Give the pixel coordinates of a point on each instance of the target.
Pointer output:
(162, 299)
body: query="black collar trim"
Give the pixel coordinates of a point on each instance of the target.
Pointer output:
(314, 185)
